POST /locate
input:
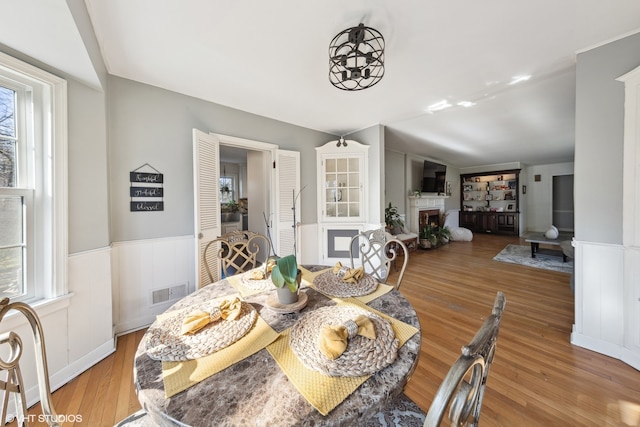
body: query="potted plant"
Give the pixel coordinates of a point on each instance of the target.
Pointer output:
(444, 235)
(425, 237)
(233, 206)
(286, 272)
(392, 219)
(428, 237)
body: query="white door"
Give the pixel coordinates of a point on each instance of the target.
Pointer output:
(206, 182)
(287, 170)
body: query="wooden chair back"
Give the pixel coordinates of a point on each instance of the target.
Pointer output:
(237, 252)
(14, 383)
(377, 251)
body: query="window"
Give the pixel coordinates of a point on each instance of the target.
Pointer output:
(227, 186)
(33, 248)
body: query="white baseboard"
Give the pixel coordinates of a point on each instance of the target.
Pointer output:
(594, 344)
(630, 358)
(625, 355)
(71, 371)
(134, 324)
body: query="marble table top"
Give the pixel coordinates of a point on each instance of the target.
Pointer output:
(255, 391)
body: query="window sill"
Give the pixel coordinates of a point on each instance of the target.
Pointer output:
(43, 308)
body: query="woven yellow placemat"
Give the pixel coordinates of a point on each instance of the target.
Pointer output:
(179, 376)
(403, 331)
(245, 291)
(380, 290)
(308, 276)
(323, 392)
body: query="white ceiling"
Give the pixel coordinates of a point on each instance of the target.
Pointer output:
(271, 58)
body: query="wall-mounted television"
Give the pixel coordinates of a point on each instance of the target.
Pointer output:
(433, 177)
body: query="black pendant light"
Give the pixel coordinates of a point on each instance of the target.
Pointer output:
(356, 58)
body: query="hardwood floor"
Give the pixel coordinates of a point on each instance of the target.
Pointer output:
(537, 379)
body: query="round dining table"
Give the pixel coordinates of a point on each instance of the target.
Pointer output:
(255, 391)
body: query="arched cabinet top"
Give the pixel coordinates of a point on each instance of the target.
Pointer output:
(343, 146)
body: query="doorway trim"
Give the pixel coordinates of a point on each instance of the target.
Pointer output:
(253, 145)
(249, 144)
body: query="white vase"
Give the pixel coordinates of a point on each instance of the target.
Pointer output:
(285, 296)
(552, 233)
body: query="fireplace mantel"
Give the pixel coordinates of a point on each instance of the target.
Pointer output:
(424, 202)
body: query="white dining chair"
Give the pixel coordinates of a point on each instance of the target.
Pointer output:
(13, 383)
(461, 391)
(237, 252)
(376, 250)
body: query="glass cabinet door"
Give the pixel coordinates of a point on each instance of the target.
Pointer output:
(342, 187)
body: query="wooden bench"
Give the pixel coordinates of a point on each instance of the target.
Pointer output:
(409, 239)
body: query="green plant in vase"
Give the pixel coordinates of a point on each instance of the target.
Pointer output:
(233, 206)
(286, 276)
(444, 235)
(392, 218)
(428, 237)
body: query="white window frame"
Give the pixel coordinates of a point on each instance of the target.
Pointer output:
(47, 241)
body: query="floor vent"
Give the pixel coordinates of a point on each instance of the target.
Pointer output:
(168, 294)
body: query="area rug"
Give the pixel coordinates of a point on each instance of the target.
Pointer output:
(519, 254)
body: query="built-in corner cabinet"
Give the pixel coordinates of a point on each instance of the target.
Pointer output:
(490, 202)
(342, 196)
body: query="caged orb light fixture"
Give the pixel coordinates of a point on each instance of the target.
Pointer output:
(356, 58)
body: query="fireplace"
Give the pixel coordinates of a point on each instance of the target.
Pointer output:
(429, 217)
(425, 210)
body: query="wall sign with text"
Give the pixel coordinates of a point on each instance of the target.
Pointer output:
(146, 190)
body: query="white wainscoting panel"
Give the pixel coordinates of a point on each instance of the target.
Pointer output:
(599, 302)
(308, 244)
(631, 352)
(54, 326)
(141, 267)
(77, 327)
(91, 310)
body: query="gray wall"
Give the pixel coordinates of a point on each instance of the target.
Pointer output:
(394, 183)
(87, 173)
(88, 176)
(538, 202)
(152, 125)
(599, 139)
(88, 181)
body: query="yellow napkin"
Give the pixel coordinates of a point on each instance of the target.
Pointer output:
(227, 310)
(178, 376)
(349, 275)
(323, 392)
(309, 276)
(257, 274)
(333, 340)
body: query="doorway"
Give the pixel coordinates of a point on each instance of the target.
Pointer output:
(245, 168)
(272, 175)
(562, 202)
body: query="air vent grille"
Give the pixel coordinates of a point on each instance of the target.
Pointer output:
(168, 294)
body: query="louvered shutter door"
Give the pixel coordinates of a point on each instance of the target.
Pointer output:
(206, 155)
(288, 186)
